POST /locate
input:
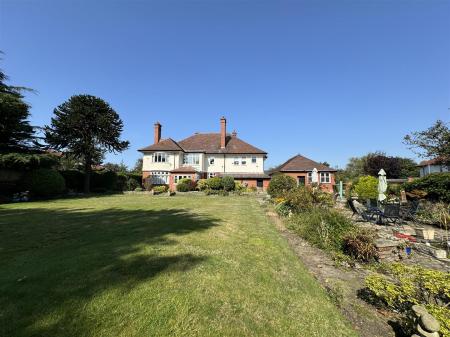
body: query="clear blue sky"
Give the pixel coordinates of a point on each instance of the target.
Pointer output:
(309, 77)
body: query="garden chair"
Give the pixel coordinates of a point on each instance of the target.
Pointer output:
(410, 212)
(389, 214)
(364, 214)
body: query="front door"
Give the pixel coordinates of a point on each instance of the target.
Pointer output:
(301, 180)
(259, 183)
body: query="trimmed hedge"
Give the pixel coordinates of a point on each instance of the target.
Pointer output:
(44, 182)
(436, 185)
(215, 183)
(27, 161)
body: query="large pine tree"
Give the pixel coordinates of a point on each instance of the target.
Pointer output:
(86, 127)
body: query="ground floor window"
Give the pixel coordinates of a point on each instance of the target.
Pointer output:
(325, 177)
(179, 177)
(211, 174)
(159, 177)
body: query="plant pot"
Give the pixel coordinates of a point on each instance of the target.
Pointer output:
(425, 233)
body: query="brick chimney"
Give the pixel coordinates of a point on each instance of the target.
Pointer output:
(223, 132)
(157, 133)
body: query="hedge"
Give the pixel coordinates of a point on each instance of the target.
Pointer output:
(27, 161)
(436, 185)
(44, 182)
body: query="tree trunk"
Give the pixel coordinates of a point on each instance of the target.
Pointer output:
(87, 175)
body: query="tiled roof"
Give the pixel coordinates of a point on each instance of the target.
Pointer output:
(299, 163)
(184, 169)
(210, 143)
(164, 145)
(434, 161)
(205, 142)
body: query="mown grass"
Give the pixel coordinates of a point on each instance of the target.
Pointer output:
(134, 265)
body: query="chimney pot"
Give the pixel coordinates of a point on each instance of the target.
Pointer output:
(234, 133)
(223, 132)
(157, 133)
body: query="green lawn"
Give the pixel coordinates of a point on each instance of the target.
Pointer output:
(135, 265)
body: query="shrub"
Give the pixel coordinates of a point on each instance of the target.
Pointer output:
(228, 183)
(44, 182)
(360, 245)
(104, 181)
(27, 161)
(280, 184)
(122, 182)
(132, 184)
(282, 209)
(238, 187)
(403, 286)
(252, 189)
(322, 227)
(436, 185)
(202, 184)
(160, 189)
(434, 213)
(186, 185)
(215, 183)
(367, 187)
(138, 189)
(303, 198)
(74, 179)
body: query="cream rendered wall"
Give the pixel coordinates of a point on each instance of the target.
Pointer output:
(171, 163)
(219, 163)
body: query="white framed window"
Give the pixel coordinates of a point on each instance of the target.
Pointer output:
(325, 177)
(244, 161)
(211, 160)
(253, 159)
(179, 177)
(236, 161)
(191, 159)
(310, 177)
(211, 174)
(160, 177)
(160, 157)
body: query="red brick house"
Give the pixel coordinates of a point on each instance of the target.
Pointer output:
(203, 155)
(301, 169)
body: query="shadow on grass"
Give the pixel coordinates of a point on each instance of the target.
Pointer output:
(55, 260)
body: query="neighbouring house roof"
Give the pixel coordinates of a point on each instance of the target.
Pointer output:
(434, 161)
(184, 169)
(205, 142)
(210, 143)
(299, 163)
(246, 175)
(164, 145)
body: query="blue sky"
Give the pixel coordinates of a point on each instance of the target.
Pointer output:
(309, 77)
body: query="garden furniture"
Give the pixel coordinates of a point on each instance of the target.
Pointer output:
(366, 215)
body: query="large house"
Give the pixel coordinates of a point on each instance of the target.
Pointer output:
(301, 169)
(203, 155)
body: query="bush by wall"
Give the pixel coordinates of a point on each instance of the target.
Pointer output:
(74, 179)
(367, 187)
(44, 182)
(186, 185)
(436, 186)
(280, 184)
(228, 183)
(215, 183)
(202, 184)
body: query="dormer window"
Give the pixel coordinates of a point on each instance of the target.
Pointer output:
(159, 157)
